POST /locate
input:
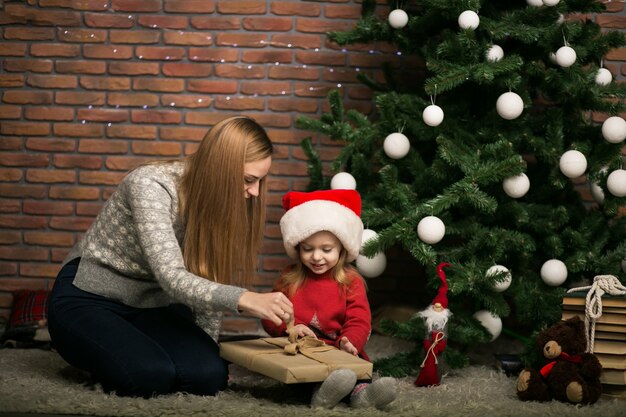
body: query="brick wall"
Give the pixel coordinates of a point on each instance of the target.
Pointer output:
(91, 88)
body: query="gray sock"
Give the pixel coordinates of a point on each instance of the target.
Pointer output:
(377, 394)
(336, 386)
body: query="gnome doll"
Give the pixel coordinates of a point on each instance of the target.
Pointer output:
(436, 319)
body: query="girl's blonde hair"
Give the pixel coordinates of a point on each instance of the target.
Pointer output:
(223, 229)
(293, 278)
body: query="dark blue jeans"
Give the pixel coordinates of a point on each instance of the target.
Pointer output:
(132, 351)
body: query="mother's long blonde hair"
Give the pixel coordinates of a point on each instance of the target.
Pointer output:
(223, 229)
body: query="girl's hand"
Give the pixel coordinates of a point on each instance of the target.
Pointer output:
(273, 306)
(346, 345)
(301, 330)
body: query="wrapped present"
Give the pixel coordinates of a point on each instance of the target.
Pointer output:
(278, 358)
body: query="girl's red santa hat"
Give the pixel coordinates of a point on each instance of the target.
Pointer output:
(335, 211)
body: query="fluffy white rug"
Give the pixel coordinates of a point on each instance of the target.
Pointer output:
(40, 382)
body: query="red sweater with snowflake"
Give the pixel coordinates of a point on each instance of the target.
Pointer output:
(330, 309)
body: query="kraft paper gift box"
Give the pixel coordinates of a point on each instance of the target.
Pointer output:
(267, 356)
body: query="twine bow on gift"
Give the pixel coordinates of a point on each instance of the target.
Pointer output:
(298, 344)
(602, 284)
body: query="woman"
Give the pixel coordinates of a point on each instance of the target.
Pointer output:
(140, 299)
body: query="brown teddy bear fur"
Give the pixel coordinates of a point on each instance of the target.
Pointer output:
(577, 381)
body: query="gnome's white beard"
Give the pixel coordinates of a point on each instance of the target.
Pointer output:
(435, 320)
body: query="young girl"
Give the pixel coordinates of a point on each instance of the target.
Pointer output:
(139, 301)
(322, 231)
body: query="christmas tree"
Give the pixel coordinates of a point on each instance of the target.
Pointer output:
(478, 159)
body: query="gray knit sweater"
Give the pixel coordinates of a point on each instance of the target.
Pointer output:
(132, 251)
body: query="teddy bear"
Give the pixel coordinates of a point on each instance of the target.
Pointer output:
(570, 375)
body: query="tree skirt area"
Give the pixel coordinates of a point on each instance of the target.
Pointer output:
(39, 382)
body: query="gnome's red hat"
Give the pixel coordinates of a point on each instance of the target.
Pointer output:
(335, 211)
(442, 293)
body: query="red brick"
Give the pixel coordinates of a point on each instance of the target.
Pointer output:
(101, 20)
(124, 163)
(7, 269)
(240, 71)
(95, 115)
(77, 161)
(163, 21)
(250, 40)
(214, 54)
(58, 255)
(288, 168)
(185, 69)
(78, 130)
(101, 178)
(107, 51)
(134, 37)
(133, 99)
(52, 81)
(212, 87)
(322, 26)
(30, 34)
(239, 103)
(132, 132)
(10, 206)
(156, 116)
(10, 175)
(182, 133)
(157, 148)
(296, 41)
(321, 58)
(159, 84)
(23, 160)
(41, 270)
(102, 146)
(136, 5)
(88, 209)
(160, 53)
(48, 208)
(10, 112)
(187, 38)
(54, 49)
(74, 35)
(186, 100)
(25, 65)
(11, 80)
(285, 72)
(49, 238)
(23, 128)
(337, 11)
(74, 193)
(267, 24)
(283, 57)
(291, 8)
(22, 284)
(50, 144)
(23, 254)
(242, 7)
(27, 97)
(23, 222)
(265, 88)
(92, 5)
(49, 113)
(189, 6)
(10, 238)
(313, 90)
(71, 223)
(10, 143)
(215, 23)
(50, 176)
(80, 98)
(13, 49)
(80, 67)
(292, 104)
(134, 68)
(22, 191)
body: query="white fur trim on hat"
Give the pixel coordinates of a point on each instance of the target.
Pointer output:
(306, 219)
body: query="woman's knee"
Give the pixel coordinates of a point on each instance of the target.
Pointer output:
(207, 378)
(142, 379)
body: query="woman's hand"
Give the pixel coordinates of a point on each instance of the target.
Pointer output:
(346, 345)
(273, 306)
(301, 330)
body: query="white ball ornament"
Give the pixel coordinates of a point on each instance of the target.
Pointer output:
(431, 229)
(503, 285)
(489, 321)
(604, 77)
(494, 53)
(368, 234)
(553, 272)
(565, 56)
(534, 3)
(517, 186)
(371, 267)
(432, 115)
(596, 192)
(573, 164)
(614, 129)
(509, 106)
(551, 3)
(469, 20)
(616, 183)
(396, 145)
(343, 181)
(398, 19)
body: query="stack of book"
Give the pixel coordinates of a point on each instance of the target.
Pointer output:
(610, 336)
